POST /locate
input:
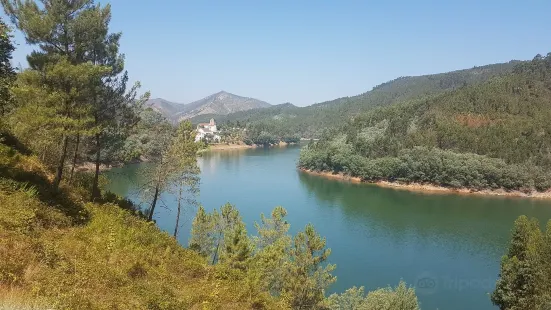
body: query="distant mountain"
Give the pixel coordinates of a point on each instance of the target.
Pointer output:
(221, 103)
(273, 111)
(165, 107)
(311, 121)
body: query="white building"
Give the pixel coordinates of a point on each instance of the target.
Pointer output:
(207, 130)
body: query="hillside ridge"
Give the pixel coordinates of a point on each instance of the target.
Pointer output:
(220, 103)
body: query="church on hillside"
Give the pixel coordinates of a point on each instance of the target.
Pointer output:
(207, 131)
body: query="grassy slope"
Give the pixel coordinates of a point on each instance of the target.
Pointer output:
(60, 251)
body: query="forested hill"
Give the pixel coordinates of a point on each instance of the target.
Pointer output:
(494, 134)
(310, 121)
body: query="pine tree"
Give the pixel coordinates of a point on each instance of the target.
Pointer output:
(521, 275)
(270, 230)
(272, 247)
(114, 106)
(399, 298)
(183, 153)
(225, 222)
(202, 233)
(51, 104)
(66, 32)
(237, 247)
(7, 73)
(307, 277)
(174, 158)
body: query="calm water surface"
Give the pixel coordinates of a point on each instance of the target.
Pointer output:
(448, 246)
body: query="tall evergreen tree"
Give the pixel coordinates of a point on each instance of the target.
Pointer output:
(272, 247)
(7, 73)
(520, 282)
(186, 180)
(114, 106)
(202, 233)
(272, 229)
(49, 106)
(174, 158)
(307, 277)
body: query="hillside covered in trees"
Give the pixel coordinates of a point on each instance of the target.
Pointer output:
(494, 134)
(310, 122)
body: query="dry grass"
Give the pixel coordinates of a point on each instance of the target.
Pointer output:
(13, 299)
(59, 251)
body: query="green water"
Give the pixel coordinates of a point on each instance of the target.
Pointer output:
(448, 246)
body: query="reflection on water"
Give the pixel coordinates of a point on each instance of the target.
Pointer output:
(449, 246)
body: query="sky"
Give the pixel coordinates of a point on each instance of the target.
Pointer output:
(307, 52)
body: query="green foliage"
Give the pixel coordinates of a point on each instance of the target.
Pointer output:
(237, 247)
(7, 74)
(75, 88)
(525, 273)
(150, 135)
(399, 298)
(173, 158)
(202, 233)
(483, 136)
(291, 139)
(293, 268)
(232, 244)
(50, 106)
(307, 276)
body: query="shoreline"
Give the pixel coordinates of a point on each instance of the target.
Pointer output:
(430, 188)
(221, 147)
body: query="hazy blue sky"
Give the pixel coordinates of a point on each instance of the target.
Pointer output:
(311, 51)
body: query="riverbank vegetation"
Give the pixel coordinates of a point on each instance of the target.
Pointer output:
(485, 136)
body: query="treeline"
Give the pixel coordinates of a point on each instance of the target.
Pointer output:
(311, 121)
(489, 135)
(268, 134)
(435, 166)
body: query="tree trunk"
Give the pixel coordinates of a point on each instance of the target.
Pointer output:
(215, 257)
(178, 214)
(95, 186)
(75, 157)
(179, 210)
(59, 171)
(154, 203)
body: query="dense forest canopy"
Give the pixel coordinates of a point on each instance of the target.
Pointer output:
(493, 134)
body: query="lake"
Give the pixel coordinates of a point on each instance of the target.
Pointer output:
(448, 246)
